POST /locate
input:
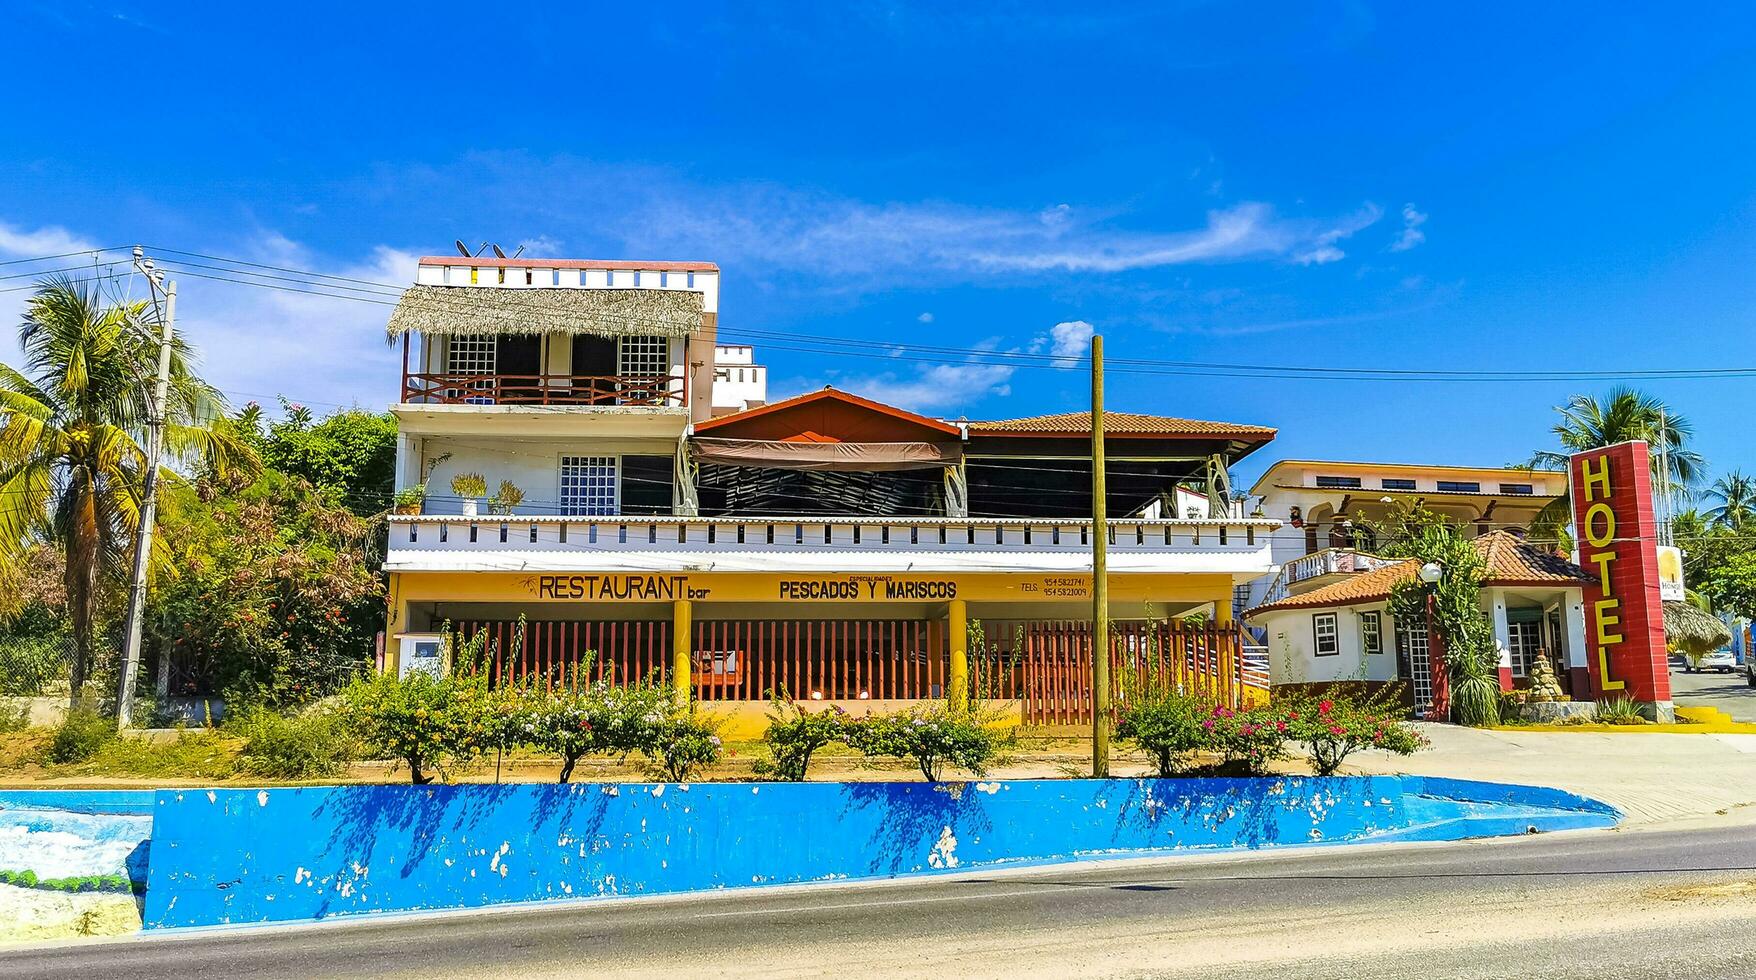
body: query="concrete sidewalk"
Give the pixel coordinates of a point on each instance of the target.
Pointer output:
(1650, 776)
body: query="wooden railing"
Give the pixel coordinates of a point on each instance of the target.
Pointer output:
(544, 389)
(1043, 664)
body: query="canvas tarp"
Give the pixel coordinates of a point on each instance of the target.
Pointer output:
(862, 456)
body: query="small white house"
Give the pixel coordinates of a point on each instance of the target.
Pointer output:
(1345, 632)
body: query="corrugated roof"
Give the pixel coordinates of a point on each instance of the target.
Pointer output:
(1510, 560)
(1120, 423)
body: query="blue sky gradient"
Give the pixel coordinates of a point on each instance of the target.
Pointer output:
(1562, 186)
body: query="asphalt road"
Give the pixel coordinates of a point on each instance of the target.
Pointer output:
(1730, 693)
(1677, 903)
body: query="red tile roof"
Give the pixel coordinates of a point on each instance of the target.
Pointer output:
(1510, 561)
(1119, 423)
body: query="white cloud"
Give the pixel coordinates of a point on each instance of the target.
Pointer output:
(925, 318)
(1412, 234)
(16, 242)
(846, 244)
(1070, 340)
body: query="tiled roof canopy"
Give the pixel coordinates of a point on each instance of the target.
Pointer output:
(1510, 560)
(1119, 423)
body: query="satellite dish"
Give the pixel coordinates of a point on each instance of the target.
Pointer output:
(497, 252)
(462, 249)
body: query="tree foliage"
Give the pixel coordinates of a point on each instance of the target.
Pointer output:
(275, 597)
(350, 455)
(1472, 656)
(72, 422)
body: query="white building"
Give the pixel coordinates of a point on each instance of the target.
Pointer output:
(674, 523)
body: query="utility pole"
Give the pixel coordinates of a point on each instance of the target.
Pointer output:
(155, 440)
(1100, 583)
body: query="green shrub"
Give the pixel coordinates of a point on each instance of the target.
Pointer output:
(311, 746)
(1475, 696)
(1333, 728)
(198, 754)
(426, 722)
(14, 715)
(34, 664)
(79, 736)
(1167, 726)
(1619, 711)
(794, 734)
(680, 747)
(932, 738)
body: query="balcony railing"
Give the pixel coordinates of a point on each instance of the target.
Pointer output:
(734, 544)
(1329, 561)
(544, 389)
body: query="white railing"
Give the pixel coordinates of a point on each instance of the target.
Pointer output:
(1329, 561)
(973, 543)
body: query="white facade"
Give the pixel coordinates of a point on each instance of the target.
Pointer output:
(1292, 641)
(572, 274)
(739, 383)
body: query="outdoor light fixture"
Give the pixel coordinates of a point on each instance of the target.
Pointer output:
(865, 694)
(816, 695)
(1431, 571)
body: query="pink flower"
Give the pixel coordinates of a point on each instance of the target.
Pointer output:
(1337, 730)
(1207, 724)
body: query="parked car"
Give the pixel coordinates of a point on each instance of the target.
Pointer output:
(1721, 660)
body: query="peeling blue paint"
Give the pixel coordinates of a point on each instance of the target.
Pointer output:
(245, 856)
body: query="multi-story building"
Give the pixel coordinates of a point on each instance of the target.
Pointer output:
(674, 523)
(1324, 612)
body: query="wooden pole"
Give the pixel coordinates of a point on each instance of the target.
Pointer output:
(1100, 584)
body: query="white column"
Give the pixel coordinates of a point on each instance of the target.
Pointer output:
(408, 460)
(1496, 599)
(1573, 626)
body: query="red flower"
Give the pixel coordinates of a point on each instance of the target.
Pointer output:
(1324, 705)
(1337, 730)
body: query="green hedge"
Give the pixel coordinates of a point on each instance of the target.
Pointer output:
(83, 883)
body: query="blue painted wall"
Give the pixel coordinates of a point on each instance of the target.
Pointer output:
(129, 801)
(240, 856)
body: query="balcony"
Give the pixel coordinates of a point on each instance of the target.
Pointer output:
(1321, 568)
(1237, 547)
(655, 391)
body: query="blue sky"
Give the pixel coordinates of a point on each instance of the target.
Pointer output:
(1546, 186)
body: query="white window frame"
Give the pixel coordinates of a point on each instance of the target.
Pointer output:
(474, 353)
(573, 507)
(1325, 626)
(1518, 634)
(636, 357)
(1371, 632)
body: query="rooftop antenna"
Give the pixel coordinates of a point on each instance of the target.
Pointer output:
(480, 249)
(462, 249)
(518, 252)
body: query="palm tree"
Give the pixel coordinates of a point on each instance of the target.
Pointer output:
(71, 464)
(1588, 423)
(1736, 494)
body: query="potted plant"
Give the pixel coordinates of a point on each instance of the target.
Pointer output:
(506, 498)
(470, 488)
(408, 500)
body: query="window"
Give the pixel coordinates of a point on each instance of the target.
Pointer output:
(643, 357)
(588, 485)
(1328, 639)
(1339, 482)
(473, 356)
(1372, 632)
(1525, 640)
(1452, 486)
(1396, 483)
(1517, 488)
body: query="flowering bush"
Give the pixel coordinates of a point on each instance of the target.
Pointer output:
(1248, 739)
(794, 734)
(1333, 728)
(681, 746)
(424, 721)
(1168, 727)
(932, 737)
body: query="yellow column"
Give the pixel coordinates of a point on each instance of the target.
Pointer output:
(957, 624)
(1222, 617)
(682, 630)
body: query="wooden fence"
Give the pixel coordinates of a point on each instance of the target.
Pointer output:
(1043, 664)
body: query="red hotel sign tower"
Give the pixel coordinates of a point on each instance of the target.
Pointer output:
(1616, 533)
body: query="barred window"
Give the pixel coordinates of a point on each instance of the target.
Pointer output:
(588, 485)
(644, 357)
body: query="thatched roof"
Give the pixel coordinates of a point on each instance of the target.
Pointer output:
(536, 310)
(1691, 631)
